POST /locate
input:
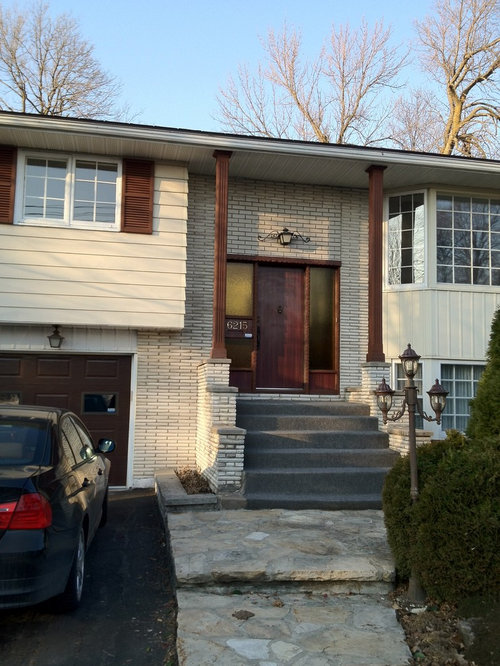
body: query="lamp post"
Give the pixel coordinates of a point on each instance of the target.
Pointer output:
(437, 395)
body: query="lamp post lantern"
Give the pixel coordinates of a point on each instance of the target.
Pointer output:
(437, 395)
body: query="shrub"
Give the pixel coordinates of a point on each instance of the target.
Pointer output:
(485, 407)
(396, 500)
(457, 518)
(449, 537)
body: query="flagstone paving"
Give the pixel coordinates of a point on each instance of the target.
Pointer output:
(276, 587)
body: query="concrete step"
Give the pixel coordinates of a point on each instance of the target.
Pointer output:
(324, 502)
(297, 421)
(307, 407)
(303, 481)
(262, 457)
(311, 439)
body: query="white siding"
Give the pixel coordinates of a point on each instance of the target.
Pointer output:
(83, 277)
(446, 324)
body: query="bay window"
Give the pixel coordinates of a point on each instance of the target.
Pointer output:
(468, 240)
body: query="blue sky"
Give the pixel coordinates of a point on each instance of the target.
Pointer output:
(173, 56)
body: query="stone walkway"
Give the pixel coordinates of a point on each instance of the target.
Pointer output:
(277, 587)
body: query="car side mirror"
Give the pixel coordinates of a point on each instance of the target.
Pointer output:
(106, 445)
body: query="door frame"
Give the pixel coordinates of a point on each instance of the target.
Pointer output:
(315, 381)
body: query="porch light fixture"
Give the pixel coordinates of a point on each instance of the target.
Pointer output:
(437, 395)
(55, 338)
(284, 237)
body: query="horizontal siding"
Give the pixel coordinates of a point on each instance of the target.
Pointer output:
(88, 277)
(443, 323)
(109, 318)
(148, 277)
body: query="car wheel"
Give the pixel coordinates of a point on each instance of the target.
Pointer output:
(104, 514)
(70, 598)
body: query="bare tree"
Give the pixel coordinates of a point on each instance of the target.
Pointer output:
(415, 122)
(46, 67)
(337, 96)
(461, 52)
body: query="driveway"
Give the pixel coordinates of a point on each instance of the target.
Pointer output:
(127, 615)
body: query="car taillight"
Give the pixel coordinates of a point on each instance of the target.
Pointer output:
(32, 511)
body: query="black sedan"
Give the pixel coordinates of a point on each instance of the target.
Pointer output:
(53, 497)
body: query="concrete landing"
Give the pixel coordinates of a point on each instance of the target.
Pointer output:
(276, 587)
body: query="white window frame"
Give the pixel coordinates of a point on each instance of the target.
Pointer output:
(469, 193)
(445, 381)
(67, 220)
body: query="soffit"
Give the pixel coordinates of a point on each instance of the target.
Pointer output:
(252, 158)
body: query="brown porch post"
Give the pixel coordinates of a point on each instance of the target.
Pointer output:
(375, 214)
(220, 252)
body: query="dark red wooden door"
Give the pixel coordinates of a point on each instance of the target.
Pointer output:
(280, 328)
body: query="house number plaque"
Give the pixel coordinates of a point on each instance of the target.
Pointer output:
(237, 327)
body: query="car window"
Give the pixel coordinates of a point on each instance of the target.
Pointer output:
(79, 446)
(24, 441)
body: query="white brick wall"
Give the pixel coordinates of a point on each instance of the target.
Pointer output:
(167, 369)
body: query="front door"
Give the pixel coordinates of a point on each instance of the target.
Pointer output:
(280, 328)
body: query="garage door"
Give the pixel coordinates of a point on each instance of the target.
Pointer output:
(97, 388)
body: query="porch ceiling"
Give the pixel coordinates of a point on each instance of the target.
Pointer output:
(252, 157)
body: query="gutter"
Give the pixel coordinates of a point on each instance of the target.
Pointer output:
(215, 141)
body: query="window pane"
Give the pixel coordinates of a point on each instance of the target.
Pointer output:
(321, 319)
(55, 189)
(107, 172)
(480, 222)
(481, 276)
(480, 205)
(444, 219)
(239, 289)
(35, 187)
(444, 255)
(100, 402)
(462, 275)
(462, 203)
(462, 257)
(461, 238)
(54, 209)
(85, 170)
(84, 191)
(33, 207)
(481, 258)
(445, 274)
(444, 202)
(105, 212)
(462, 221)
(106, 193)
(480, 240)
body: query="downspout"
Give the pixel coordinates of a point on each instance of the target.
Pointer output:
(220, 252)
(375, 218)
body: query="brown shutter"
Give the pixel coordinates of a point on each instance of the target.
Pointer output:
(137, 198)
(7, 183)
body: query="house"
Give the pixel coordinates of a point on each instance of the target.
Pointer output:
(180, 270)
